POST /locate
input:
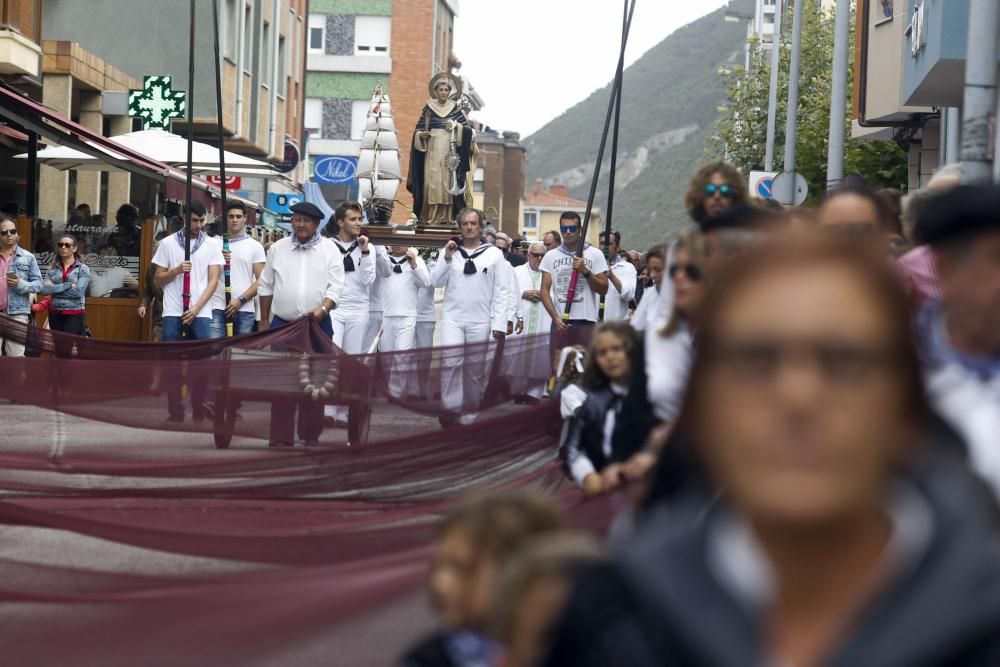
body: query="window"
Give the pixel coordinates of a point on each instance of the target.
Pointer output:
(479, 181)
(313, 121)
(266, 53)
(530, 221)
(371, 35)
(317, 33)
(770, 3)
(247, 42)
(281, 84)
(231, 18)
(768, 19)
(885, 11)
(359, 117)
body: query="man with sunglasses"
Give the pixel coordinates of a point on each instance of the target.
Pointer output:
(559, 265)
(622, 278)
(21, 278)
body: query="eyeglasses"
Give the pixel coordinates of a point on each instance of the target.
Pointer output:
(690, 270)
(66, 245)
(537, 255)
(571, 229)
(8, 232)
(838, 361)
(725, 191)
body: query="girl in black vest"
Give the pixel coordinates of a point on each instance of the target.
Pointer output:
(590, 458)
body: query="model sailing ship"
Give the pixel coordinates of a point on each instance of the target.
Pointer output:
(379, 170)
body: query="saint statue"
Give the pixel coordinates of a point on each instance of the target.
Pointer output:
(444, 153)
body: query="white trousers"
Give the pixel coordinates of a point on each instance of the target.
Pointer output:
(398, 336)
(463, 370)
(424, 340)
(349, 335)
(374, 325)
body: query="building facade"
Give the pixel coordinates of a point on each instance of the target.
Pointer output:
(353, 46)
(543, 207)
(910, 78)
(262, 44)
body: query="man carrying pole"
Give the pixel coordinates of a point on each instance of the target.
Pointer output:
(558, 268)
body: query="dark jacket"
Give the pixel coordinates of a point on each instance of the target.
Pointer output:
(660, 605)
(585, 432)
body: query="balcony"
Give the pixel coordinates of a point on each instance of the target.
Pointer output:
(18, 54)
(354, 64)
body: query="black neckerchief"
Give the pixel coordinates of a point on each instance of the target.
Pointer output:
(348, 260)
(397, 267)
(470, 266)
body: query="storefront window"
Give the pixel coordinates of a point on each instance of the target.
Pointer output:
(111, 252)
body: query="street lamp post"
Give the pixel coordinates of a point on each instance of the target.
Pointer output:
(787, 197)
(980, 91)
(733, 16)
(772, 93)
(838, 95)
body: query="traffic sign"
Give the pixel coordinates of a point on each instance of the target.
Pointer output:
(790, 182)
(283, 202)
(761, 184)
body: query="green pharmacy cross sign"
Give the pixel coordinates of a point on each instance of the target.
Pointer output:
(156, 103)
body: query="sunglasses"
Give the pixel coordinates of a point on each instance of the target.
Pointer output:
(723, 190)
(8, 232)
(568, 228)
(66, 245)
(538, 255)
(691, 271)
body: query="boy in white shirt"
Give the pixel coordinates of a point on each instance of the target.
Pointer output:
(204, 269)
(246, 260)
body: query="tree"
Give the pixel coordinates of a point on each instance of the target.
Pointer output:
(741, 131)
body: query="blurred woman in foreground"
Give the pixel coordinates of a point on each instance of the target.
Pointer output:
(838, 540)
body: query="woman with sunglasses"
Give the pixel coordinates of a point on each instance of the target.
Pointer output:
(67, 281)
(714, 188)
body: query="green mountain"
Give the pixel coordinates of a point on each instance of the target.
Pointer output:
(670, 102)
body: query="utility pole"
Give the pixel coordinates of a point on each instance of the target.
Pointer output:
(788, 196)
(772, 96)
(980, 92)
(838, 95)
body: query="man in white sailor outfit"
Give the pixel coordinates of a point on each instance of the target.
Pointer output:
(400, 290)
(350, 318)
(475, 277)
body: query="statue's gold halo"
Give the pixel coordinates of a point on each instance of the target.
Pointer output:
(456, 84)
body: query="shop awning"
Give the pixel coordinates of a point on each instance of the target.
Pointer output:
(20, 109)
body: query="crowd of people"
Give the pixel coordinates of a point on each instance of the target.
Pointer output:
(803, 414)
(801, 408)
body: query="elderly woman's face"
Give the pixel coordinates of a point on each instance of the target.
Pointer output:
(800, 411)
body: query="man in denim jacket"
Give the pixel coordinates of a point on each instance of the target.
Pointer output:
(21, 278)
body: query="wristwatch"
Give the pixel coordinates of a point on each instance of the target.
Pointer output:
(325, 309)
(243, 300)
(366, 252)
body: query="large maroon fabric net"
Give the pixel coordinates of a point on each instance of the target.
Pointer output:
(130, 538)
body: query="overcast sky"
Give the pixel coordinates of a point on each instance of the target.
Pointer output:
(530, 60)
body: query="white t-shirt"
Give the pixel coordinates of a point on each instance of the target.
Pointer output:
(425, 300)
(170, 254)
(559, 263)
(244, 254)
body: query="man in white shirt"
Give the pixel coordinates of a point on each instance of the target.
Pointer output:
(375, 298)
(559, 265)
(246, 260)
(350, 319)
(621, 278)
(400, 293)
(304, 275)
(475, 277)
(527, 363)
(204, 268)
